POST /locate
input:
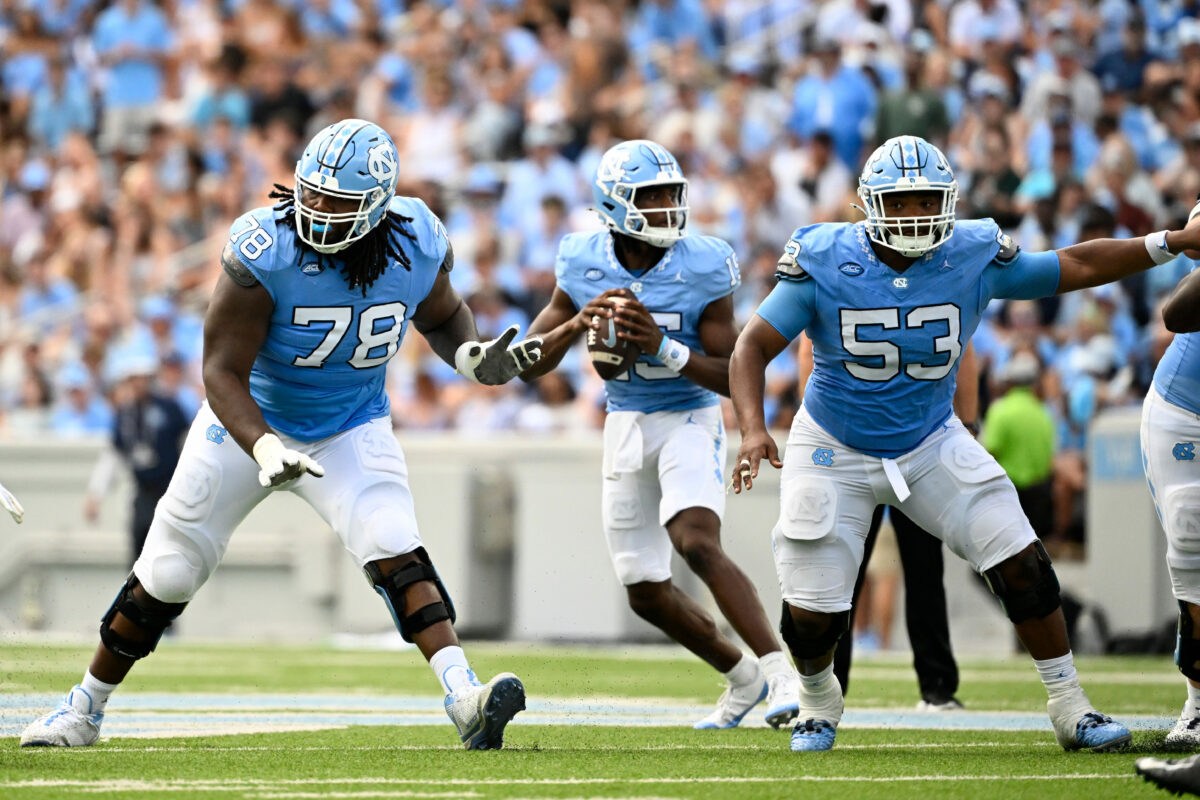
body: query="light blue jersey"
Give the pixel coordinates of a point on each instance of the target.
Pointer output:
(693, 273)
(1177, 377)
(321, 369)
(886, 344)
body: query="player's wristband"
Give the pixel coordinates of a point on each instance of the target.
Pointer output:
(673, 354)
(1156, 246)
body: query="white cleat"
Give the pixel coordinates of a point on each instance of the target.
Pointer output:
(71, 724)
(783, 698)
(1077, 728)
(481, 712)
(735, 703)
(1185, 733)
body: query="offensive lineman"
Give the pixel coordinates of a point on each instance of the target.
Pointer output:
(664, 442)
(316, 295)
(890, 303)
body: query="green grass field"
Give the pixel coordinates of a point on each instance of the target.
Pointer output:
(281, 692)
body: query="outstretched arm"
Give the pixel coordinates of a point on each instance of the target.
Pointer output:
(1106, 260)
(448, 325)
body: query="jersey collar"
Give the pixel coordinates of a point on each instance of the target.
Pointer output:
(615, 265)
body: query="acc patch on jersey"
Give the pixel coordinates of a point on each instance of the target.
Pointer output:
(1008, 248)
(788, 267)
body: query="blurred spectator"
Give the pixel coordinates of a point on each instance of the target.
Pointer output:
(62, 104)
(79, 411)
(1019, 432)
(835, 97)
(133, 40)
(915, 109)
(147, 436)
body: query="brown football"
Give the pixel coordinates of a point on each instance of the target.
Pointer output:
(610, 355)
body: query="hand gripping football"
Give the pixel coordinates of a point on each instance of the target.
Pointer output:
(611, 356)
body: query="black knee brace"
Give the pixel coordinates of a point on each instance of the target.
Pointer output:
(1040, 594)
(151, 617)
(816, 646)
(391, 589)
(1187, 649)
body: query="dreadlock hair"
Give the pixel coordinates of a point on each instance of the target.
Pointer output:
(366, 259)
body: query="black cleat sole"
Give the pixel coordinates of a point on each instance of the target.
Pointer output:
(505, 701)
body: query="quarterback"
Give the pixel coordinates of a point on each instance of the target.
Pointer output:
(316, 294)
(890, 303)
(664, 442)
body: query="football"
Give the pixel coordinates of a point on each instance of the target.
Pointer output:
(611, 356)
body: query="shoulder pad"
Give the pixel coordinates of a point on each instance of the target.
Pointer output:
(1008, 248)
(788, 268)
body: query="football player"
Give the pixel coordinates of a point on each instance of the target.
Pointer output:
(664, 442)
(890, 303)
(316, 294)
(1170, 441)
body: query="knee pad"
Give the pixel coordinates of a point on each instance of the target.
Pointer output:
(816, 646)
(1187, 649)
(1038, 594)
(151, 617)
(391, 588)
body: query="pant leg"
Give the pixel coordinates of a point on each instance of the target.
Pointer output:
(845, 647)
(925, 611)
(144, 502)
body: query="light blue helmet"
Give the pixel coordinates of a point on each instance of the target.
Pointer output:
(908, 164)
(628, 167)
(351, 160)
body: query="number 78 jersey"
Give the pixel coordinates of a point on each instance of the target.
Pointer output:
(321, 369)
(886, 344)
(693, 273)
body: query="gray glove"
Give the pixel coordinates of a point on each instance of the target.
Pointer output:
(498, 361)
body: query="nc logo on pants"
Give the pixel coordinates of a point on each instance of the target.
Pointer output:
(823, 457)
(1184, 451)
(216, 434)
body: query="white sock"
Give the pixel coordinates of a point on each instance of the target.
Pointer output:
(451, 667)
(1192, 709)
(1059, 676)
(744, 672)
(821, 696)
(98, 689)
(818, 684)
(776, 663)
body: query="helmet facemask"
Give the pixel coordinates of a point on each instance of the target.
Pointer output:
(909, 236)
(637, 222)
(329, 232)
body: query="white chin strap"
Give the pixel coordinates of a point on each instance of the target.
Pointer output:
(911, 246)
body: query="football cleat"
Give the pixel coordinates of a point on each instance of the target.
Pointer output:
(734, 704)
(1093, 731)
(1176, 775)
(813, 735)
(71, 724)
(783, 698)
(932, 703)
(1185, 732)
(480, 712)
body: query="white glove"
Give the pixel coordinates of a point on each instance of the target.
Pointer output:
(494, 363)
(279, 464)
(11, 504)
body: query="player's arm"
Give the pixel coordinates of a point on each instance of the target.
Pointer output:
(235, 329)
(1106, 260)
(966, 390)
(717, 332)
(447, 323)
(757, 345)
(560, 325)
(1181, 312)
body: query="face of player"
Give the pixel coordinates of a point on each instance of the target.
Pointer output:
(322, 203)
(662, 197)
(904, 205)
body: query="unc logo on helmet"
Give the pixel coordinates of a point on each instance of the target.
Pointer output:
(344, 182)
(908, 164)
(628, 168)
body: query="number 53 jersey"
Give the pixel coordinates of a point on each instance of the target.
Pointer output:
(886, 344)
(693, 273)
(321, 369)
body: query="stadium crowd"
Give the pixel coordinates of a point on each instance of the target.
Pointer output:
(133, 132)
